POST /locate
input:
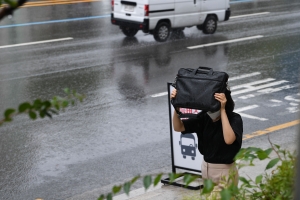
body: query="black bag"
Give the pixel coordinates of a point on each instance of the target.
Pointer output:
(196, 88)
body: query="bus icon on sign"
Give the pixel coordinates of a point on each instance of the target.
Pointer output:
(188, 145)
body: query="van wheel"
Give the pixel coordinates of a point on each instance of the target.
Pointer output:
(129, 32)
(162, 32)
(210, 25)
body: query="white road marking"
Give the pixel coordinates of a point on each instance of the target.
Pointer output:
(253, 117)
(252, 88)
(249, 85)
(290, 98)
(248, 96)
(33, 43)
(268, 91)
(159, 94)
(293, 109)
(250, 15)
(239, 110)
(244, 76)
(226, 42)
(276, 101)
(246, 108)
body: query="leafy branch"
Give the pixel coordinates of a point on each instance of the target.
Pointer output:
(43, 108)
(148, 180)
(9, 7)
(278, 184)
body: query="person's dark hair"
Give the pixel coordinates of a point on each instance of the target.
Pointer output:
(229, 107)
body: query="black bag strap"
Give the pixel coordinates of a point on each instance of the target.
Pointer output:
(204, 70)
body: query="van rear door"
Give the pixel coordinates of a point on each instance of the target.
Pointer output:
(131, 10)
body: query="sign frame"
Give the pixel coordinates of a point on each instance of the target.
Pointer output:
(174, 165)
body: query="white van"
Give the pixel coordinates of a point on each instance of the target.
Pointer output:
(159, 17)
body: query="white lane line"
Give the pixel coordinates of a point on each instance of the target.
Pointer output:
(38, 42)
(290, 98)
(250, 15)
(253, 117)
(268, 91)
(226, 42)
(275, 101)
(249, 85)
(244, 76)
(159, 94)
(239, 110)
(258, 87)
(272, 90)
(246, 108)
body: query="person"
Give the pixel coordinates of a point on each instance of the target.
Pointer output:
(219, 139)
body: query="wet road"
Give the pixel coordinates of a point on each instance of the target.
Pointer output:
(122, 128)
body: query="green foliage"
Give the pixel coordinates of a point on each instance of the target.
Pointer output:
(40, 108)
(279, 184)
(13, 4)
(208, 186)
(147, 181)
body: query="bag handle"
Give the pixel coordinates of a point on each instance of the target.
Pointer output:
(204, 70)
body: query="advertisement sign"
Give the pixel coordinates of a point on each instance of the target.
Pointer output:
(184, 147)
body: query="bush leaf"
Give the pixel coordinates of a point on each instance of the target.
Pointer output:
(32, 114)
(147, 182)
(272, 163)
(225, 194)
(116, 189)
(262, 155)
(24, 106)
(208, 186)
(268, 151)
(134, 179)
(109, 196)
(126, 187)
(8, 112)
(258, 179)
(157, 179)
(244, 180)
(101, 197)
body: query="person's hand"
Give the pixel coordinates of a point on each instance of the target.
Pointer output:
(221, 98)
(173, 94)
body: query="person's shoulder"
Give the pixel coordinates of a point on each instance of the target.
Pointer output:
(235, 116)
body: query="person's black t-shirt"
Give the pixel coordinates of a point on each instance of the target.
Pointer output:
(211, 143)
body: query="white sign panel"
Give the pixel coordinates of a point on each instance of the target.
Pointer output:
(185, 146)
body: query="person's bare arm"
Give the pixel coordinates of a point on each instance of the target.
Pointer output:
(228, 133)
(177, 123)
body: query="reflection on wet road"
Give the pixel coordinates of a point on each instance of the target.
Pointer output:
(122, 127)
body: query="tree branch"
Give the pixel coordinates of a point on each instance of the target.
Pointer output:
(9, 9)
